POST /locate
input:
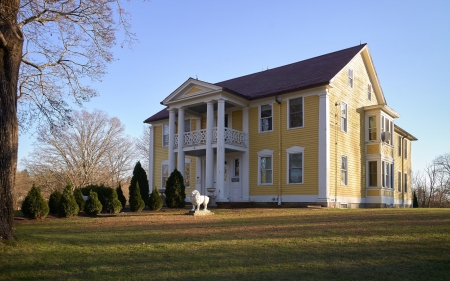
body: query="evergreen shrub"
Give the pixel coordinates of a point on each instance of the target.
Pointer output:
(34, 205)
(155, 201)
(53, 201)
(113, 205)
(136, 202)
(415, 201)
(140, 176)
(103, 193)
(79, 198)
(68, 207)
(93, 205)
(175, 190)
(121, 197)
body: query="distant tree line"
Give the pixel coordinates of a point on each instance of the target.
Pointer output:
(432, 185)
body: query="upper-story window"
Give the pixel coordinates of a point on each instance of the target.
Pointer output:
(369, 92)
(266, 118)
(399, 146)
(165, 134)
(350, 78)
(372, 128)
(344, 116)
(406, 149)
(296, 113)
(386, 130)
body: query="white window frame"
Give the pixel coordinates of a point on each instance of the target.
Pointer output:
(350, 80)
(289, 113)
(399, 181)
(345, 183)
(369, 91)
(368, 173)
(387, 173)
(164, 163)
(168, 134)
(344, 118)
(369, 128)
(405, 183)
(295, 150)
(405, 147)
(259, 118)
(261, 154)
(400, 146)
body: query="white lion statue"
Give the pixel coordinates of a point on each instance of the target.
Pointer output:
(197, 200)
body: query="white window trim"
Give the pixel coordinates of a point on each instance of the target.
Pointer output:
(405, 149)
(350, 79)
(401, 181)
(164, 163)
(368, 173)
(368, 128)
(346, 171)
(162, 135)
(295, 150)
(264, 153)
(346, 117)
(405, 183)
(259, 118)
(400, 146)
(289, 113)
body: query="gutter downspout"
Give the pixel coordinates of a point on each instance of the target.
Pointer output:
(279, 148)
(402, 175)
(335, 152)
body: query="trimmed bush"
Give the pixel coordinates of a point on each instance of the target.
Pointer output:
(34, 205)
(103, 192)
(121, 197)
(68, 207)
(113, 205)
(136, 202)
(53, 201)
(140, 176)
(175, 190)
(93, 205)
(415, 201)
(155, 201)
(79, 198)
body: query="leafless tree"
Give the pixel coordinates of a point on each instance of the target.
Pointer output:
(48, 49)
(142, 147)
(93, 150)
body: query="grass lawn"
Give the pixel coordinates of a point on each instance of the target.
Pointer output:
(240, 244)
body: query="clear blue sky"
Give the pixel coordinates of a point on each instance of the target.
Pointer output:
(217, 40)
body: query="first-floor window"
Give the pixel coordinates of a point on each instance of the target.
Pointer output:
(266, 169)
(164, 175)
(296, 168)
(406, 183)
(399, 181)
(344, 170)
(373, 173)
(187, 175)
(387, 174)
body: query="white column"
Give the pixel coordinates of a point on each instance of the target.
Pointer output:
(324, 148)
(181, 141)
(245, 163)
(209, 150)
(171, 151)
(220, 150)
(198, 163)
(151, 159)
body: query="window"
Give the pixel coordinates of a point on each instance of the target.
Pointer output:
(344, 170)
(296, 113)
(373, 173)
(399, 146)
(387, 171)
(164, 175)
(372, 128)
(187, 175)
(236, 167)
(399, 181)
(165, 134)
(294, 170)
(350, 78)
(187, 125)
(406, 149)
(386, 130)
(266, 118)
(266, 170)
(406, 183)
(369, 92)
(343, 117)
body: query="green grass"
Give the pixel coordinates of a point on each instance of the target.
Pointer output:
(245, 244)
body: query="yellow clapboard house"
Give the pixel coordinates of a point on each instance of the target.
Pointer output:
(318, 131)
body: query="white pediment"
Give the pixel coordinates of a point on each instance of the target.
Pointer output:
(190, 89)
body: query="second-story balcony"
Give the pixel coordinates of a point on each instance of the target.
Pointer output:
(198, 138)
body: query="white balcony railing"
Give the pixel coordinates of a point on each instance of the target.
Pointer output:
(233, 137)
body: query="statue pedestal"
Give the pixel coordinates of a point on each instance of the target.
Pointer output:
(200, 213)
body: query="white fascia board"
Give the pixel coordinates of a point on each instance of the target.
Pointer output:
(191, 82)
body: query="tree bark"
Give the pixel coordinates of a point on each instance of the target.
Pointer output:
(11, 41)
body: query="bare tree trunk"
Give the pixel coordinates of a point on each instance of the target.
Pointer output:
(11, 41)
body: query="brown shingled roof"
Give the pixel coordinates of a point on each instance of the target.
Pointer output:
(301, 75)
